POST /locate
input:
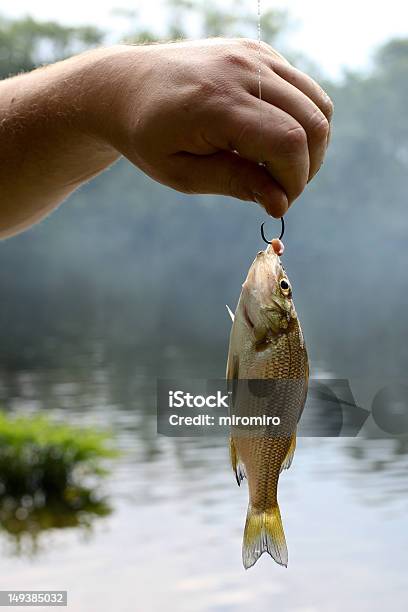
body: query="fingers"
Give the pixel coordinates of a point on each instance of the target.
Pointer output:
(305, 84)
(226, 173)
(281, 143)
(293, 101)
(292, 136)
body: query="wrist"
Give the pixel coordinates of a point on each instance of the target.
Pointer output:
(108, 81)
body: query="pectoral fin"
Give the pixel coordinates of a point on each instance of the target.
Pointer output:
(237, 465)
(287, 462)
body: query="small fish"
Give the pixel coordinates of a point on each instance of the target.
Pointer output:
(266, 345)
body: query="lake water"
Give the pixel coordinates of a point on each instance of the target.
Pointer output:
(173, 539)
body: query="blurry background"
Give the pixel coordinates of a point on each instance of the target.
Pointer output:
(128, 282)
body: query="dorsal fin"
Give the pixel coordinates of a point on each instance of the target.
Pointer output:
(231, 314)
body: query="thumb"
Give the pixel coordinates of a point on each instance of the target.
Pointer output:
(226, 173)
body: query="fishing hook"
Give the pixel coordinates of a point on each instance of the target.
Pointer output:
(281, 234)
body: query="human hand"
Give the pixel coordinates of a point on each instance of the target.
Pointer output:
(188, 114)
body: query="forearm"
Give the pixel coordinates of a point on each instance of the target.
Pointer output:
(52, 135)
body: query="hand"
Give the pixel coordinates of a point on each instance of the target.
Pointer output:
(188, 114)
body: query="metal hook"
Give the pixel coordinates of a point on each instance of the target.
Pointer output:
(281, 234)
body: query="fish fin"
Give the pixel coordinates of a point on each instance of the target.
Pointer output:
(232, 368)
(237, 465)
(287, 462)
(231, 314)
(264, 533)
(306, 388)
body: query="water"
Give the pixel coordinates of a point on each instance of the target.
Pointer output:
(173, 540)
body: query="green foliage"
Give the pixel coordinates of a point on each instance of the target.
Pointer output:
(27, 43)
(40, 457)
(209, 18)
(232, 19)
(48, 476)
(393, 53)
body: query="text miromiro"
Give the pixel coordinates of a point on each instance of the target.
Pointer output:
(181, 399)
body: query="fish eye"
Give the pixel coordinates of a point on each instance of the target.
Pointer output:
(285, 286)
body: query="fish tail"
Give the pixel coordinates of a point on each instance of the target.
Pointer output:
(264, 533)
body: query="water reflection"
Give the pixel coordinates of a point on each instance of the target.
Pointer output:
(175, 534)
(50, 477)
(24, 521)
(384, 463)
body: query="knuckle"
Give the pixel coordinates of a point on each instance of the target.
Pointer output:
(319, 126)
(328, 107)
(236, 59)
(250, 44)
(324, 102)
(294, 141)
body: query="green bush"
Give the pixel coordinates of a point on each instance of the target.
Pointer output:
(40, 456)
(49, 473)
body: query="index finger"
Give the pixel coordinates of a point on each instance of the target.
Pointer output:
(306, 84)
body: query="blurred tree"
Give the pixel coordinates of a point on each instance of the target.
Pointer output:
(223, 19)
(136, 33)
(109, 275)
(208, 18)
(26, 43)
(393, 53)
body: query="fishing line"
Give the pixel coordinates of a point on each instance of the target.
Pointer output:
(260, 139)
(261, 161)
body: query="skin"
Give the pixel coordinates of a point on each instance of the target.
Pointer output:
(187, 114)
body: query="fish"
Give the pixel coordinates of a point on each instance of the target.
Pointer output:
(266, 348)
